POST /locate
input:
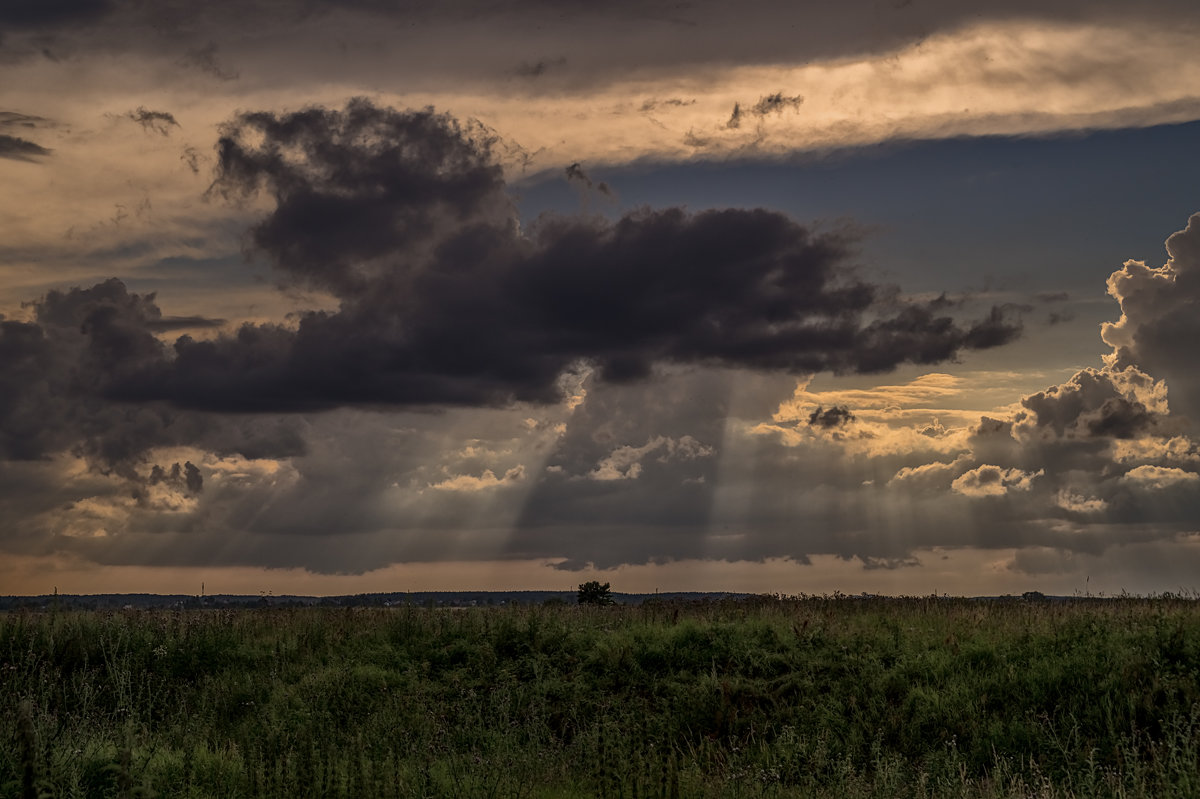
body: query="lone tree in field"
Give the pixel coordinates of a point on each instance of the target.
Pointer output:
(595, 593)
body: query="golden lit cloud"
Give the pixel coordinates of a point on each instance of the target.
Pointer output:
(1158, 478)
(488, 479)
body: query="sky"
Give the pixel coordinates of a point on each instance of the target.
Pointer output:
(315, 297)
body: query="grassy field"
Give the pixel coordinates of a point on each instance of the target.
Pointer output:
(767, 697)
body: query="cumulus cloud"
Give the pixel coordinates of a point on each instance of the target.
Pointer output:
(1159, 478)
(1158, 324)
(929, 477)
(1118, 403)
(992, 481)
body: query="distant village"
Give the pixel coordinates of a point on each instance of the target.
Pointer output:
(427, 599)
(423, 599)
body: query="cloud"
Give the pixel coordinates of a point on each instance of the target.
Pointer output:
(1158, 324)
(1118, 403)
(625, 463)
(928, 477)
(992, 481)
(1078, 503)
(768, 104)
(173, 489)
(192, 158)
(922, 391)
(1159, 478)
(59, 371)
(159, 122)
(13, 119)
(775, 104)
(671, 102)
(836, 416)
(735, 118)
(19, 149)
(486, 480)
(575, 173)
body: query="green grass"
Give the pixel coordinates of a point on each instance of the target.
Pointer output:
(822, 697)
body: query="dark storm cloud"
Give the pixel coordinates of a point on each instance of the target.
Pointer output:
(405, 218)
(19, 149)
(55, 369)
(58, 371)
(1091, 403)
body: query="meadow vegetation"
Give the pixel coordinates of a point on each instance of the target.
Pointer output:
(764, 697)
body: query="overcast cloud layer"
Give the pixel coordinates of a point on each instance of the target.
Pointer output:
(268, 299)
